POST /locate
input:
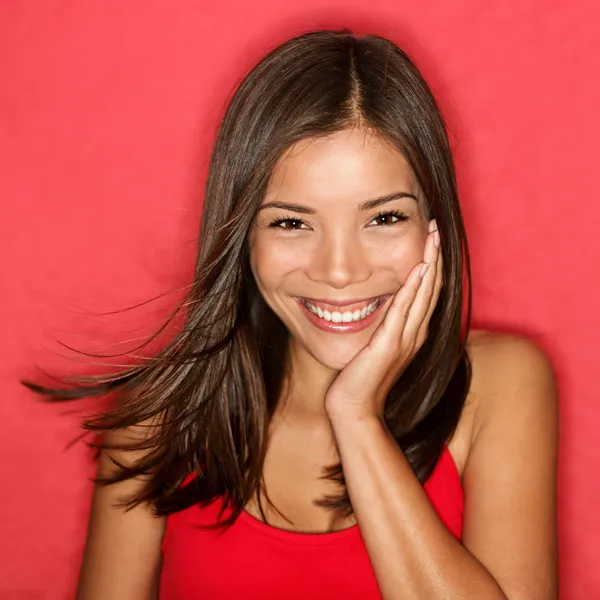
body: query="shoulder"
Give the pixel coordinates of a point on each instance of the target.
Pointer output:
(512, 381)
(510, 475)
(512, 378)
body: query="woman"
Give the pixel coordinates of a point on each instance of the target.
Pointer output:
(325, 425)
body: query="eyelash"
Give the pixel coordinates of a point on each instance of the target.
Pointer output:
(400, 216)
(391, 213)
(286, 219)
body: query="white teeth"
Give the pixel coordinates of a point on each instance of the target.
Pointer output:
(339, 317)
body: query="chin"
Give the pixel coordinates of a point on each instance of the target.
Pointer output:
(335, 356)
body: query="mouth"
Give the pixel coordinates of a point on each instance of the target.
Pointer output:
(342, 317)
(347, 313)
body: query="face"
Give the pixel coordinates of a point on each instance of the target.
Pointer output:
(341, 225)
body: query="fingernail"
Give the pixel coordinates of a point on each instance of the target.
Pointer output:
(432, 225)
(436, 239)
(424, 269)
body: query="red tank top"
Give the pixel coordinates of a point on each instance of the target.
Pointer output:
(255, 561)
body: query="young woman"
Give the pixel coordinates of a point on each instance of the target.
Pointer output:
(325, 424)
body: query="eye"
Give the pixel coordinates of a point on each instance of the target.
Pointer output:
(389, 217)
(289, 223)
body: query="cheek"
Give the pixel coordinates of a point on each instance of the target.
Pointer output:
(400, 253)
(272, 260)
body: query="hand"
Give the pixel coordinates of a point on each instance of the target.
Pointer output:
(360, 389)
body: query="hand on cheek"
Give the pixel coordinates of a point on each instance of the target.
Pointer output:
(360, 389)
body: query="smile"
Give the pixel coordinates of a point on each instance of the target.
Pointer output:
(327, 312)
(342, 317)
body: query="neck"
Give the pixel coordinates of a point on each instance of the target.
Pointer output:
(305, 388)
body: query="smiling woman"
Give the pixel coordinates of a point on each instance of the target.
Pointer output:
(326, 425)
(333, 262)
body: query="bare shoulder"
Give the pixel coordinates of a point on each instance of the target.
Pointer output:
(510, 475)
(512, 378)
(123, 548)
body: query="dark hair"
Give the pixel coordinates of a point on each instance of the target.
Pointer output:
(211, 391)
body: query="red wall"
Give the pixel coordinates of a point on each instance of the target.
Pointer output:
(107, 111)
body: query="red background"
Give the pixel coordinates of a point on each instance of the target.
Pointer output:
(107, 113)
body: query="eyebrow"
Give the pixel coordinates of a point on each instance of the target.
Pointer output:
(368, 205)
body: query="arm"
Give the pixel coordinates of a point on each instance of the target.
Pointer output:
(509, 549)
(123, 549)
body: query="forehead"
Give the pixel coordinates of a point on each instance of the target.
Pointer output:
(351, 164)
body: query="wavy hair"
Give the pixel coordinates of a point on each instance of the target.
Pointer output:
(210, 392)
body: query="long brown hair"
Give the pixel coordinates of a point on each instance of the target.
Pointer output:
(211, 391)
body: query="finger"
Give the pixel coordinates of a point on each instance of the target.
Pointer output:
(395, 319)
(420, 307)
(439, 279)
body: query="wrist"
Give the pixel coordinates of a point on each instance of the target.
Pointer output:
(355, 420)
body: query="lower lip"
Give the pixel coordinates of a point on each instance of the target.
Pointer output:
(351, 327)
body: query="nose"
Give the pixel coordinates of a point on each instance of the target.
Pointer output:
(339, 261)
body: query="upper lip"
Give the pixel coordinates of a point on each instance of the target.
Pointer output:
(347, 302)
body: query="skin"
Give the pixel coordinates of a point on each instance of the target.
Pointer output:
(505, 446)
(339, 251)
(506, 443)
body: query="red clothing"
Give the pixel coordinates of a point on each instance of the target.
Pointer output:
(255, 561)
